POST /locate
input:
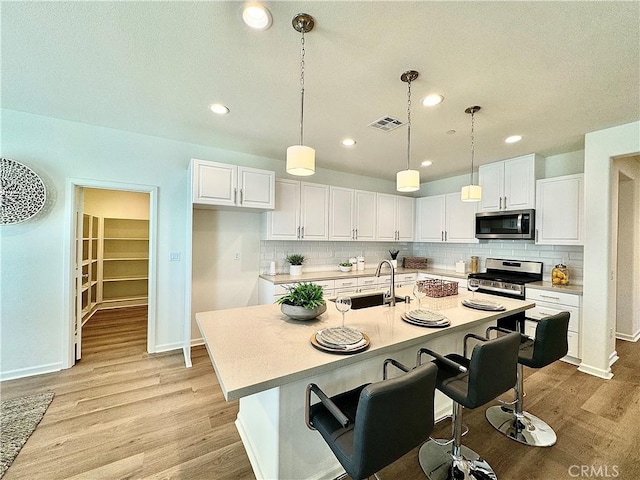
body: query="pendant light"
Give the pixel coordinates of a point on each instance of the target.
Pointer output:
(408, 180)
(301, 160)
(471, 192)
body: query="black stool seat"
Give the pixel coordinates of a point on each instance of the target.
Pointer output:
(373, 425)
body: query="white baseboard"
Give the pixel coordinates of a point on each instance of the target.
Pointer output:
(628, 338)
(596, 372)
(197, 341)
(167, 347)
(613, 358)
(30, 371)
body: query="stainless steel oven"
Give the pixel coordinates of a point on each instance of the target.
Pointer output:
(513, 224)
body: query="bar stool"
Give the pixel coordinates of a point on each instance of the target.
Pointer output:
(372, 426)
(470, 383)
(549, 345)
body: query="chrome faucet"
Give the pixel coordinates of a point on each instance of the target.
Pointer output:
(391, 300)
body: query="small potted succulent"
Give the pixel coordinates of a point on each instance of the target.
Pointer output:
(303, 302)
(345, 266)
(295, 261)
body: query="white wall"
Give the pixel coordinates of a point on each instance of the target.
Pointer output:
(598, 308)
(116, 203)
(32, 254)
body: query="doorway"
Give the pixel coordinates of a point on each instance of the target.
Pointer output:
(626, 195)
(111, 255)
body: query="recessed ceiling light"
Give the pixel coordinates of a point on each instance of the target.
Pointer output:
(450, 132)
(256, 16)
(348, 142)
(219, 108)
(427, 163)
(513, 139)
(431, 100)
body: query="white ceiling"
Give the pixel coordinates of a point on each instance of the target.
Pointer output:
(550, 71)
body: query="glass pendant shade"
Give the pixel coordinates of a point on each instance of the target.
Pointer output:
(301, 160)
(471, 193)
(408, 180)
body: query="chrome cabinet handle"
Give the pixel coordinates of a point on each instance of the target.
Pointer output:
(302, 232)
(505, 202)
(442, 235)
(536, 234)
(500, 203)
(240, 196)
(356, 234)
(549, 296)
(445, 235)
(235, 194)
(298, 233)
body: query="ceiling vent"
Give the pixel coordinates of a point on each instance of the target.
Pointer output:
(386, 123)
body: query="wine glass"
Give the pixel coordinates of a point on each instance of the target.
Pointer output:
(473, 284)
(343, 304)
(419, 293)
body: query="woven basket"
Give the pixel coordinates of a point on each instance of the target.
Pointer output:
(414, 262)
(438, 288)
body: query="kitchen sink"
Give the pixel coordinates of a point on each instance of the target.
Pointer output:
(366, 300)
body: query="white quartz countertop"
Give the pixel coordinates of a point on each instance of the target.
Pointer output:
(367, 272)
(571, 288)
(257, 348)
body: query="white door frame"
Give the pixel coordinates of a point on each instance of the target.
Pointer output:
(69, 258)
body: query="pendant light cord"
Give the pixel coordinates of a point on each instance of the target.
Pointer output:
(472, 146)
(408, 123)
(302, 52)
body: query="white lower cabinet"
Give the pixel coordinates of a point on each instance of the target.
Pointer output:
(550, 303)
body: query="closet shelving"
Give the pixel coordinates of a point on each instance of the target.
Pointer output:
(125, 262)
(90, 265)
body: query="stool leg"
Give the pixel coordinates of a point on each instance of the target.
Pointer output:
(453, 461)
(519, 425)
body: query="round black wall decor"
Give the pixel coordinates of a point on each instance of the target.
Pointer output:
(22, 192)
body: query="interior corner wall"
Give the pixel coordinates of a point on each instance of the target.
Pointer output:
(598, 317)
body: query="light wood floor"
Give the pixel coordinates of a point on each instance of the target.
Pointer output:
(121, 413)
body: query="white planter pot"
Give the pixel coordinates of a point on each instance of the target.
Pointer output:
(300, 313)
(295, 269)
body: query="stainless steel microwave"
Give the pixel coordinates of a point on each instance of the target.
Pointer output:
(511, 224)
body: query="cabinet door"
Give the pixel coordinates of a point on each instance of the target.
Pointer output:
(405, 218)
(491, 179)
(214, 183)
(314, 211)
(283, 221)
(386, 217)
(430, 219)
(559, 210)
(365, 216)
(256, 188)
(460, 220)
(519, 183)
(341, 209)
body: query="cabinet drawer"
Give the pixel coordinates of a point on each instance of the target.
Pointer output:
(542, 310)
(560, 298)
(405, 277)
(346, 283)
(347, 290)
(367, 281)
(325, 284)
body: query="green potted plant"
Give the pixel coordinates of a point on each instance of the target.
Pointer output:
(303, 302)
(295, 261)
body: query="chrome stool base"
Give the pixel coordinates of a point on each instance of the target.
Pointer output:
(438, 463)
(528, 429)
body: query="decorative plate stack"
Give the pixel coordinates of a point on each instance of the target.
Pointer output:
(342, 340)
(426, 318)
(483, 304)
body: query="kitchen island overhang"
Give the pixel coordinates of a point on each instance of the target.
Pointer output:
(266, 360)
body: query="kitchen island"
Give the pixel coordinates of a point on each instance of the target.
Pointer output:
(266, 360)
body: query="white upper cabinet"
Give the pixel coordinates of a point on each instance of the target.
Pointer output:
(395, 218)
(510, 184)
(446, 218)
(560, 210)
(222, 184)
(301, 212)
(352, 214)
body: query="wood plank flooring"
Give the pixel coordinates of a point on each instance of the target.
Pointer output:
(123, 414)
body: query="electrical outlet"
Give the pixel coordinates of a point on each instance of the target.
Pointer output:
(174, 256)
(236, 256)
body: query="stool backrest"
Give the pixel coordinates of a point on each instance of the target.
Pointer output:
(393, 417)
(492, 369)
(551, 340)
